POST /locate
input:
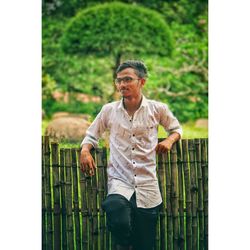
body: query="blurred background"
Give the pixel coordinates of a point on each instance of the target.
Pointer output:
(84, 41)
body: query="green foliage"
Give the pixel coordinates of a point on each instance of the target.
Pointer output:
(181, 81)
(74, 106)
(117, 28)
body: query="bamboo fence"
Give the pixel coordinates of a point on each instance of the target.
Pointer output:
(72, 218)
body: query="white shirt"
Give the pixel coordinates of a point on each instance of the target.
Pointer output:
(132, 163)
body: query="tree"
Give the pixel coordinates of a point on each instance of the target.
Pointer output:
(118, 29)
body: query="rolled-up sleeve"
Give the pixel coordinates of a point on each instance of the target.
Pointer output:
(96, 129)
(169, 121)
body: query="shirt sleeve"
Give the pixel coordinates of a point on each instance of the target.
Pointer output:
(96, 129)
(169, 121)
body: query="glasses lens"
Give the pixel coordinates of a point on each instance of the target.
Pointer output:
(125, 79)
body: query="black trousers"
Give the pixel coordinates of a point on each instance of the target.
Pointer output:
(130, 225)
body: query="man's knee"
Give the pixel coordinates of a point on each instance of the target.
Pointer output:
(119, 213)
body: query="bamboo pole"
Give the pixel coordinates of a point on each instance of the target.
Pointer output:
(191, 150)
(63, 199)
(108, 240)
(161, 178)
(168, 199)
(76, 199)
(84, 209)
(187, 195)
(101, 163)
(43, 199)
(200, 194)
(95, 230)
(174, 196)
(181, 196)
(56, 189)
(204, 165)
(49, 229)
(68, 183)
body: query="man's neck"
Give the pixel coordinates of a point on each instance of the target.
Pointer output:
(132, 104)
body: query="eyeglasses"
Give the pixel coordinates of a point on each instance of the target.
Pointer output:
(126, 80)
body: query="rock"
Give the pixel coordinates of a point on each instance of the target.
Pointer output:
(201, 123)
(67, 114)
(68, 128)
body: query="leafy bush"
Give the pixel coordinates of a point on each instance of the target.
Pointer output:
(117, 28)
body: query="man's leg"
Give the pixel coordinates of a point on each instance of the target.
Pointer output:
(145, 220)
(119, 219)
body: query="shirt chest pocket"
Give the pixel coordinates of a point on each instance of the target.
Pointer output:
(146, 129)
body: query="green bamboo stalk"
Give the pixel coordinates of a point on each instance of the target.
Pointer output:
(84, 209)
(200, 194)
(108, 234)
(174, 196)
(157, 236)
(56, 190)
(161, 178)
(191, 150)
(204, 165)
(100, 163)
(181, 196)
(68, 183)
(63, 199)
(95, 231)
(49, 229)
(76, 199)
(43, 198)
(89, 207)
(168, 199)
(187, 195)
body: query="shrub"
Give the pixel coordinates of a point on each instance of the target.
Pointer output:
(117, 28)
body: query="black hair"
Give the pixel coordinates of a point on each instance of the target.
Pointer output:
(139, 67)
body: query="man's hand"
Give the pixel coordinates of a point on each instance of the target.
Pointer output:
(167, 144)
(87, 164)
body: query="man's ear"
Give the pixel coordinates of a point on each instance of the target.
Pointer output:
(143, 82)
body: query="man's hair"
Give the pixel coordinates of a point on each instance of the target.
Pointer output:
(139, 67)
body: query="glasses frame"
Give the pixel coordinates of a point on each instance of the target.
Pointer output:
(118, 81)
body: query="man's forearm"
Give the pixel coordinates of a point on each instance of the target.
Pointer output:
(174, 137)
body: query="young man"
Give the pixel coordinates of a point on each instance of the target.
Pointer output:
(134, 198)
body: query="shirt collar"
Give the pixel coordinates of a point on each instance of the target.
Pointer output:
(144, 103)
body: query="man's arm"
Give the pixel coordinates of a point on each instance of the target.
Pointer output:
(87, 163)
(167, 144)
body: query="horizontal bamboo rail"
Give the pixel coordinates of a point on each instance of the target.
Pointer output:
(72, 217)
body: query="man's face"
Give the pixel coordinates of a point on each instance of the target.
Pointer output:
(128, 83)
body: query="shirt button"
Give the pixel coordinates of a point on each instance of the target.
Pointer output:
(133, 148)
(135, 174)
(133, 162)
(135, 186)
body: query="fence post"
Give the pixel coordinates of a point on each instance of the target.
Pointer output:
(49, 228)
(68, 183)
(63, 199)
(187, 195)
(84, 208)
(204, 165)
(43, 199)
(191, 150)
(75, 199)
(181, 197)
(200, 194)
(174, 196)
(56, 192)
(161, 177)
